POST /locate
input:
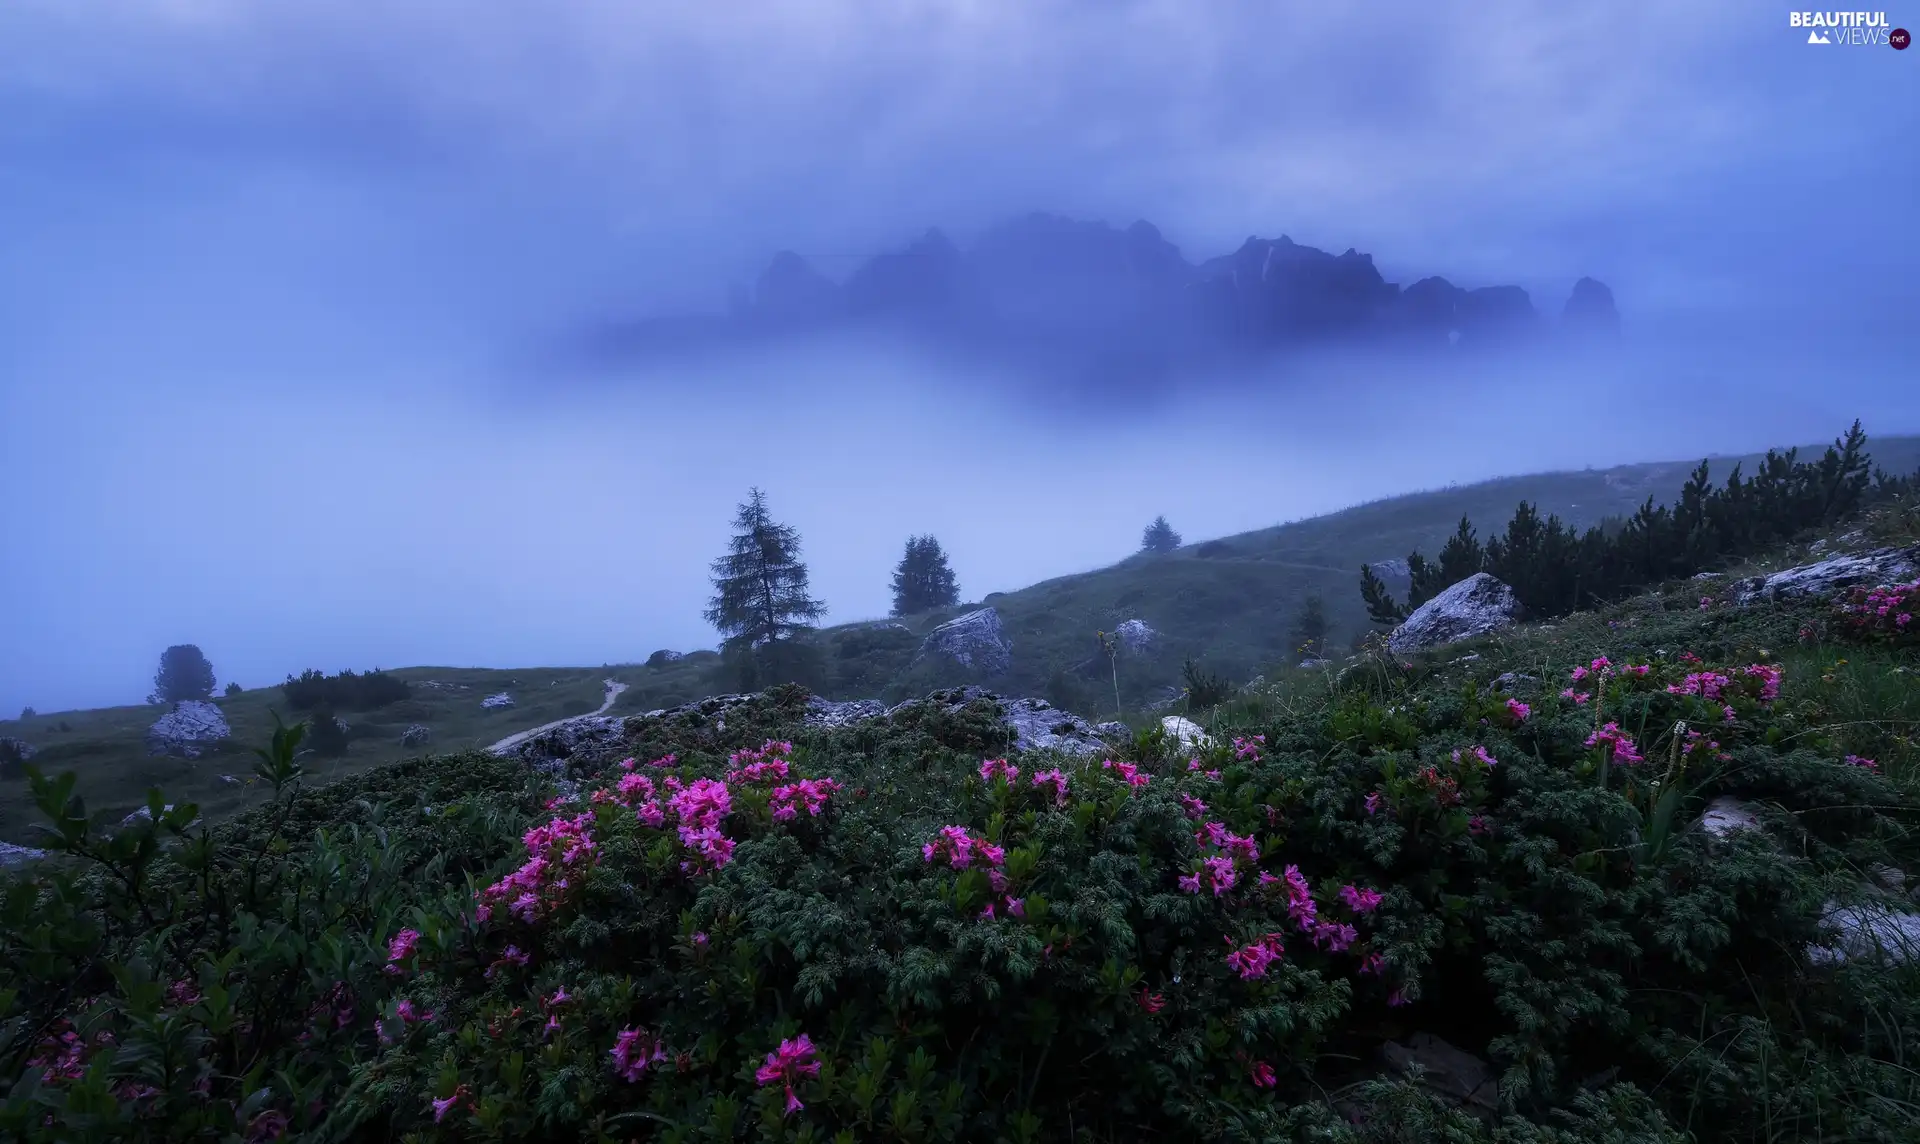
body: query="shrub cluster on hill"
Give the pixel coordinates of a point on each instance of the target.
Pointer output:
(312, 690)
(1554, 570)
(749, 929)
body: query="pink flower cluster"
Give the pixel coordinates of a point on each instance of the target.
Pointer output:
(1858, 761)
(700, 807)
(1057, 781)
(1193, 767)
(1252, 960)
(808, 793)
(1617, 743)
(1220, 870)
(1706, 684)
(1127, 771)
(401, 948)
(1477, 752)
(633, 1050)
(765, 764)
(64, 1057)
(787, 1065)
(961, 849)
(662, 761)
(512, 955)
(1697, 741)
(1518, 710)
(560, 853)
(1195, 809)
(993, 769)
(1887, 610)
(1248, 749)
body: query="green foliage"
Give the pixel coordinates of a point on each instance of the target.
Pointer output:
(1204, 689)
(923, 580)
(1159, 536)
(324, 731)
(1554, 569)
(184, 674)
(233, 689)
(347, 691)
(323, 964)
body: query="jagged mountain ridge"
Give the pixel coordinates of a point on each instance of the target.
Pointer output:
(1060, 291)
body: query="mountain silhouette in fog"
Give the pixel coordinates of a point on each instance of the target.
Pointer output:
(1093, 299)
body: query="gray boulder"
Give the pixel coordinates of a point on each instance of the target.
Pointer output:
(1136, 635)
(417, 735)
(13, 752)
(497, 702)
(146, 815)
(584, 738)
(1474, 607)
(1387, 569)
(1113, 731)
(1457, 1076)
(1880, 566)
(193, 727)
(975, 640)
(828, 713)
(1871, 931)
(11, 855)
(1186, 732)
(1726, 816)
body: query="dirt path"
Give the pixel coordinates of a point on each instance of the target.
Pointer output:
(512, 741)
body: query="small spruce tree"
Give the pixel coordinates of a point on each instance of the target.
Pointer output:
(1310, 629)
(923, 580)
(760, 603)
(184, 674)
(1159, 536)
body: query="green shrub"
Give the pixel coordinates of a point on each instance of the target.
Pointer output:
(347, 691)
(898, 930)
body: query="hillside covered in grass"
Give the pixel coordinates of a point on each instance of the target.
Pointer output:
(1493, 861)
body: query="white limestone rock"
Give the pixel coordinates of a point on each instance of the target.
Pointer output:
(1474, 607)
(192, 728)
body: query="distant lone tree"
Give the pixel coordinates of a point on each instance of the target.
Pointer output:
(26, 713)
(923, 580)
(1310, 629)
(1159, 536)
(760, 600)
(233, 689)
(184, 674)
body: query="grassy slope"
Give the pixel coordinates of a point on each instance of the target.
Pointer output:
(1231, 608)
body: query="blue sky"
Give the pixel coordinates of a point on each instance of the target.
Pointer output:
(272, 275)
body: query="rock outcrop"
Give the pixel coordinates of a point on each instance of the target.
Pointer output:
(1136, 635)
(191, 729)
(417, 735)
(12, 855)
(1880, 566)
(1474, 607)
(1185, 732)
(1590, 310)
(585, 736)
(497, 702)
(975, 640)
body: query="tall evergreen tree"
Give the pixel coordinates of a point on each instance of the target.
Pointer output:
(184, 674)
(1159, 536)
(760, 586)
(923, 580)
(1310, 629)
(1382, 608)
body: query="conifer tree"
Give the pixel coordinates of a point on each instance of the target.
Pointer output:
(1310, 629)
(184, 674)
(1382, 608)
(760, 586)
(923, 580)
(1159, 536)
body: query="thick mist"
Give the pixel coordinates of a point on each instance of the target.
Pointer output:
(278, 283)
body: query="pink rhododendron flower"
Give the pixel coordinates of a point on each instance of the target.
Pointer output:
(1017, 907)
(1190, 883)
(1194, 807)
(1579, 697)
(1252, 960)
(1334, 937)
(1478, 753)
(787, 1065)
(1518, 710)
(1152, 1002)
(1373, 964)
(1248, 749)
(1612, 739)
(1128, 771)
(764, 764)
(1477, 825)
(442, 1107)
(1360, 901)
(1262, 1074)
(633, 1051)
(998, 769)
(1057, 781)
(960, 849)
(699, 937)
(1858, 761)
(1373, 802)
(811, 794)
